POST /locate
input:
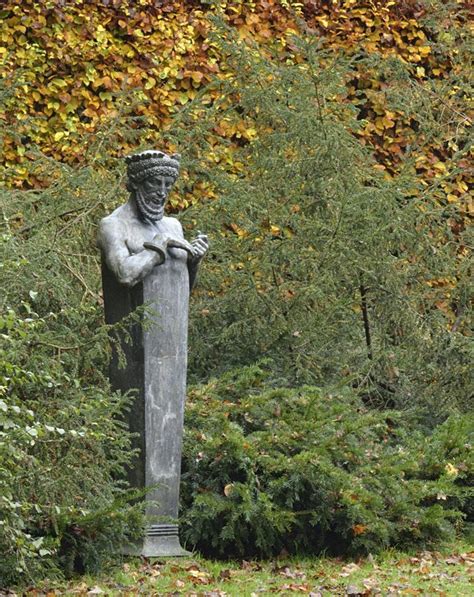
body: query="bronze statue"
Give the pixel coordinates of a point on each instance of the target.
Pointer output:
(147, 261)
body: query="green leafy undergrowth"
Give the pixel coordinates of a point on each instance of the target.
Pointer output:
(61, 445)
(305, 470)
(63, 442)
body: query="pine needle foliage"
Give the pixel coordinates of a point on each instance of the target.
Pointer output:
(307, 470)
(320, 260)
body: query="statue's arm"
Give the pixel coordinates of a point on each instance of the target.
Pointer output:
(200, 245)
(128, 269)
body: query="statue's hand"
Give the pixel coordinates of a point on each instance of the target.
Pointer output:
(181, 243)
(200, 246)
(160, 244)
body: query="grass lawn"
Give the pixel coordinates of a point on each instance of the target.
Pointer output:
(449, 571)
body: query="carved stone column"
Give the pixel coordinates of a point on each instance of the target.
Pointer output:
(155, 367)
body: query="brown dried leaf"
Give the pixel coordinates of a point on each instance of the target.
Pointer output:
(353, 590)
(225, 574)
(349, 569)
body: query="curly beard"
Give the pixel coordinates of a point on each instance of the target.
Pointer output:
(151, 207)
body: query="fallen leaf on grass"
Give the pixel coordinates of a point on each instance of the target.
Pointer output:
(428, 555)
(194, 568)
(81, 588)
(149, 569)
(425, 567)
(399, 589)
(453, 560)
(438, 575)
(154, 573)
(199, 578)
(349, 569)
(250, 566)
(370, 584)
(95, 591)
(353, 590)
(294, 588)
(288, 573)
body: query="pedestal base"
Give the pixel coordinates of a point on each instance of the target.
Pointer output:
(161, 540)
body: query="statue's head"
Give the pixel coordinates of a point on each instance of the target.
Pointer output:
(151, 174)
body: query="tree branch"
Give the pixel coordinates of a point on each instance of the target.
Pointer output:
(365, 319)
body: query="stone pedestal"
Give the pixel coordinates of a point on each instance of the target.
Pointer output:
(155, 367)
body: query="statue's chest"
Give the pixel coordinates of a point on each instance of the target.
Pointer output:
(139, 233)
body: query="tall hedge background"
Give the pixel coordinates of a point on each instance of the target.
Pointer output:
(70, 64)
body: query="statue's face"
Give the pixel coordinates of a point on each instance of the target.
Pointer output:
(151, 195)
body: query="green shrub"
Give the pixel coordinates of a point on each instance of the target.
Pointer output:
(61, 444)
(309, 470)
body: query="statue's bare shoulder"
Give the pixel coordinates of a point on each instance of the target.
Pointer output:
(117, 226)
(119, 219)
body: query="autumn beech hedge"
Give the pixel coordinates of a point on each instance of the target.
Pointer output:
(68, 66)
